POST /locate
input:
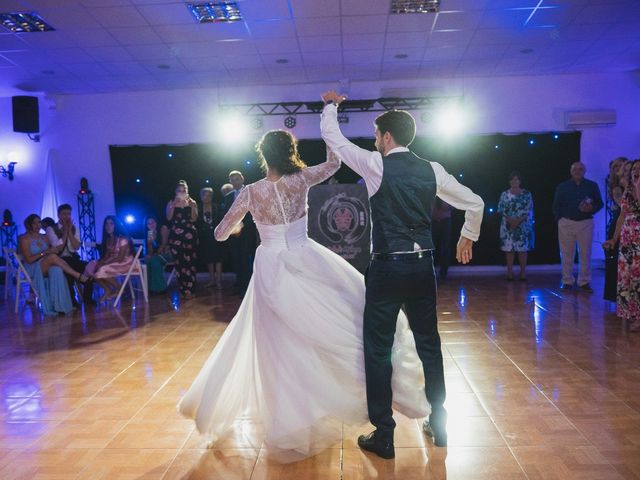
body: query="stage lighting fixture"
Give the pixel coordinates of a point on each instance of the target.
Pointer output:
(247, 162)
(7, 218)
(450, 121)
(129, 219)
(531, 142)
(138, 180)
(24, 22)
(290, 122)
(496, 147)
(232, 129)
(491, 210)
(215, 12)
(256, 123)
(207, 181)
(556, 136)
(84, 186)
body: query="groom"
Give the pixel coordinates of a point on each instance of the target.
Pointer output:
(402, 190)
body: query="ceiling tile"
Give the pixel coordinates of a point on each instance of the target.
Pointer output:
(450, 38)
(362, 42)
(175, 66)
(358, 7)
(168, 14)
(272, 29)
(293, 60)
(94, 37)
(458, 20)
(68, 17)
(277, 45)
(315, 8)
(320, 44)
(86, 70)
(11, 42)
(406, 39)
(235, 47)
(202, 32)
(314, 59)
(363, 56)
(118, 16)
(109, 54)
(415, 22)
(243, 61)
(150, 52)
(364, 24)
(135, 35)
(316, 26)
(69, 55)
(204, 64)
(124, 68)
(274, 9)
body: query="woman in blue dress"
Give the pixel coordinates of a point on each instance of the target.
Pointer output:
(516, 226)
(46, 269)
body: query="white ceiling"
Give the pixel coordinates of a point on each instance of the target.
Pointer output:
(117, 45)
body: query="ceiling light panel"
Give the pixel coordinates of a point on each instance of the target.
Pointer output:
(215, 12)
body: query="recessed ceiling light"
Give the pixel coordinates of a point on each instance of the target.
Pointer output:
(25, 22)
(526, 50)
(215, 12)
(415, 6)
(401, 56)
(163, 66)
(282, 60)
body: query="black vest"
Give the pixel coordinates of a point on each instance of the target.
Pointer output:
(401, 208)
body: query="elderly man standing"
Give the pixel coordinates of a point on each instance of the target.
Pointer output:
(574, 204)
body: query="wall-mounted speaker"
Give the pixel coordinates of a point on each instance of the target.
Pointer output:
(26, 118)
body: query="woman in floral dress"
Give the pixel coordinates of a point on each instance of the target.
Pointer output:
(182, 212)
(516, 226)
(628, 233)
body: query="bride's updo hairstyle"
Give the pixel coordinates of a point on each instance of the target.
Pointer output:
(278, 150)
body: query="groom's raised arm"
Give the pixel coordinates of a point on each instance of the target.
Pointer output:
(365, 163)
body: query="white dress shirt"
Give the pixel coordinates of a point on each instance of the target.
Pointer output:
(55, 241)
(369, 166)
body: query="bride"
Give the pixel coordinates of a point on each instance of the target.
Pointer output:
(291, 361)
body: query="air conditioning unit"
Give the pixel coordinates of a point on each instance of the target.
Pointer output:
(590, 119)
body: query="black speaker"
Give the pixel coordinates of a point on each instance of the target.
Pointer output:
(25, 114)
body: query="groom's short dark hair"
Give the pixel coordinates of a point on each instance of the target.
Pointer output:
(399, 124)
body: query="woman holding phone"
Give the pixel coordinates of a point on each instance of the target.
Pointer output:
(182, 212)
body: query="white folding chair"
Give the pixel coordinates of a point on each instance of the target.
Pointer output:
(136, 269)
(173, 271)
(16, 270)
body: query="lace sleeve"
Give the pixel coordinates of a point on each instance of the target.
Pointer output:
(319, 173)
(234, 216)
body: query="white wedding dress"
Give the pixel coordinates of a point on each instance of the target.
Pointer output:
(291, 364)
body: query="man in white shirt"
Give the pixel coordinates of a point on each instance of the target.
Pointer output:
(65, 236)
(402, 189)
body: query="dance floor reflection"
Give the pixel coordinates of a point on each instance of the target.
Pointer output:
(542, 383)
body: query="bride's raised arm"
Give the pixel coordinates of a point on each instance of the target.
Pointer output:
(319, 173)
(231, 224)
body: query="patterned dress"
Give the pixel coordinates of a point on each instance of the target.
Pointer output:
(521, 238)
(628, 305)
(183, 240)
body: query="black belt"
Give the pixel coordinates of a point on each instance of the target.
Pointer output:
(402, 256)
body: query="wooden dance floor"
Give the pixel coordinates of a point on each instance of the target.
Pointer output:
(542, 383)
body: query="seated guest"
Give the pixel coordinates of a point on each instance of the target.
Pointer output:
(156, 254)
(65, 237)
(47, 222)
(116, 256)
(46, 269)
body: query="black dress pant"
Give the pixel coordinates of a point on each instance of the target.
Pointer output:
(390, 285)
(441, 231)
(242, 250)
(78, 265)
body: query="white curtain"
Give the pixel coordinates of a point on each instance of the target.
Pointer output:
(50, 190)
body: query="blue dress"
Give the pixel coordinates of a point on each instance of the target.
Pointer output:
(52, 290)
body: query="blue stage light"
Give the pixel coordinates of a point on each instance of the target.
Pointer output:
(531, 142)
(556, 136)
(496, 147)
(491, 210)
(138, 180)
(248, 162)
(129, 219)
(170, 155)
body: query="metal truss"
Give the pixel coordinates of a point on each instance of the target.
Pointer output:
(310, 108)
(87, 224)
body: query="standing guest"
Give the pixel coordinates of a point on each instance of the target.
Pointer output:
(225, 190)
(242, 246)
(516, 225)
(182, 212)
(615, 191)
(628, 234)
(116, 256)
(441, 225)
(211, 251)
(574, 204)
(46, 269)
(65, 236)
(156, 254)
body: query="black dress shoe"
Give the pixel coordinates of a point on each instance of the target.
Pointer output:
(586, 288)
(436, 427)
(566, 286)
(383, 447)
